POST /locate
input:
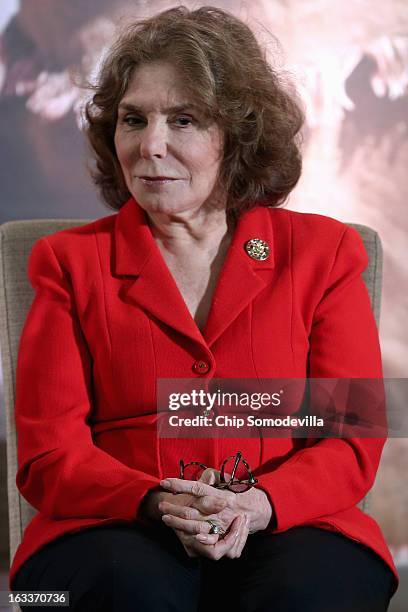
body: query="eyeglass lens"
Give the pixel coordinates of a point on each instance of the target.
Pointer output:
(193, 471)
(241, 479)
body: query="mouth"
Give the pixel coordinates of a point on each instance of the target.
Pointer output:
(156, 180)
(157, 177)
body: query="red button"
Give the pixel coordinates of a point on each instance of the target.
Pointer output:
(201, 367)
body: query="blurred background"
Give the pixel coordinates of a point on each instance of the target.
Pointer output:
(349, 61)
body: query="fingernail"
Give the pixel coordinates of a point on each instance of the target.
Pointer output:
(165, 517)
(165, 483)
(202, 537)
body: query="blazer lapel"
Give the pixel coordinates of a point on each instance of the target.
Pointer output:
(150, 285)
(242, 277)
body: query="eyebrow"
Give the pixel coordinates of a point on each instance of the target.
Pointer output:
(170, 109)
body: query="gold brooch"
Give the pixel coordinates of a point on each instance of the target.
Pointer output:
(257, 249)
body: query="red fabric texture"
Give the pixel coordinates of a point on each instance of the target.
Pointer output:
(108, 320)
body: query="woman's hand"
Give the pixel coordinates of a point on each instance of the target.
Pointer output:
(195, 538)
(195, 534)
(254, 503)
(151, 505)
(211, 546)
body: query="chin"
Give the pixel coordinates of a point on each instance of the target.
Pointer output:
(156, 205)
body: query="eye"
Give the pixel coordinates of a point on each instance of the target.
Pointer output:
(136, 121)
(184, 119)
(132, 120)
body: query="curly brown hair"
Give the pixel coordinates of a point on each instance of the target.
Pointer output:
(226, 70)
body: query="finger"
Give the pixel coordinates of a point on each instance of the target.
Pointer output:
(210, 504)
(193, 514)
(200, 507)
(192, 543)
(208, 476)
(190, 527)
(241, 540)
(205, 545)
(209, 538)
(222, 546)
(190, 551)
(231, 552)
(184, 539)
(241, 547)
(186, 512)
(194, 487)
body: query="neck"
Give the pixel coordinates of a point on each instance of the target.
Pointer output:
(181, 232)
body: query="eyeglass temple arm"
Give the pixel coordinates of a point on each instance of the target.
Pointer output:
(237, 460)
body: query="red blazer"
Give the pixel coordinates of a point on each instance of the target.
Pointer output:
(108, 319)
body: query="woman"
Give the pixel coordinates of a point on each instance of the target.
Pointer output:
(199, 275)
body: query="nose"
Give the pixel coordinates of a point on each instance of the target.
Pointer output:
(153, 141)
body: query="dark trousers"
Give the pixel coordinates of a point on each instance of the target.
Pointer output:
(120, 568)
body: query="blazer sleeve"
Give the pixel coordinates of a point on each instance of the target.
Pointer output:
(333, 474)
(61, 472)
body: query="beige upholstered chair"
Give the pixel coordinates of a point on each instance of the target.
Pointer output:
(16, 294)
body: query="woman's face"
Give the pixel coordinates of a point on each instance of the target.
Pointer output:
(160, 133)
